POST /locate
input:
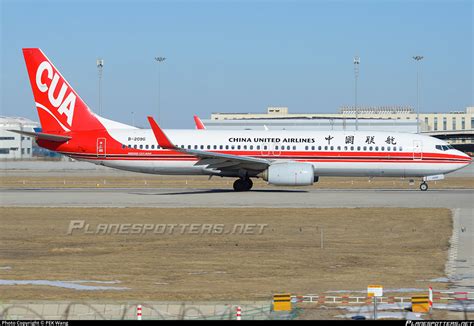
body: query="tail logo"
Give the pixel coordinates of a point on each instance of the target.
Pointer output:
(64, 106)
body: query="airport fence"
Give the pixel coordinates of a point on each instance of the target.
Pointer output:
(149, 310)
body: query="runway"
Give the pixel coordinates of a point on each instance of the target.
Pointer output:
(177, 197)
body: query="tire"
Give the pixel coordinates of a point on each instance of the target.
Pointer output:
(243, 184)
(249, 184)
(423, 186)
(239, 185)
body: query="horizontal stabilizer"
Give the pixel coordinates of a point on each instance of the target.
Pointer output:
(43, 136)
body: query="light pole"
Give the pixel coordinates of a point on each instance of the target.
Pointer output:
(356, 76)
(159, 60)
(417, 58)
(100, 67)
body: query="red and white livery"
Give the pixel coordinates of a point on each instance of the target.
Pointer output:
(281, 157)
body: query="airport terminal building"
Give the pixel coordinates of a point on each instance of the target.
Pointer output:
(401, 118)
(456, 127)
(14, 146)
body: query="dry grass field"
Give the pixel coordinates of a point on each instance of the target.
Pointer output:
(396, 247)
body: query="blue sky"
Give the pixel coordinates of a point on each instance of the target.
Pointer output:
(241, 56)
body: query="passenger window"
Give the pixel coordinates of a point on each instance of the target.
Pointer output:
(238, 146)
(376, 148)
(400, 149)
(394, 149)
(258, 147)
(265, 147)
(306, 148)
(141, 146)
(370, 148)
(358, 148)
(332, 148)
(338, 148)
(345, 148)
(312, 148)
(325, 148)
(319, 148)
(221, 147)
(251, 147)
(388, 148)
(352, 148)
(208, 146)
(382, 148)
(276, 147)
(226, 146)
(135, 146)
(365, 148)
(294, 148)
(245, 146)
(152, 146)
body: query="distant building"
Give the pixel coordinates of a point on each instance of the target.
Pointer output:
(457, 127)
(394, 116)
(12, 145)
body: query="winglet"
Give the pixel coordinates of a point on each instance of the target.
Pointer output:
(198, 122)
(160, 136)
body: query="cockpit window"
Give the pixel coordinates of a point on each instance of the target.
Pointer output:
(444, 147)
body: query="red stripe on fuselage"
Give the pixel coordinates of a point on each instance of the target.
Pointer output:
(402, 157)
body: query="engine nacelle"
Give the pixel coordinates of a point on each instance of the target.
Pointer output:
(290, 174)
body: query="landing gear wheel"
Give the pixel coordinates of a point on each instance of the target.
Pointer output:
(249, 183)
(423, 186)
(243, 184)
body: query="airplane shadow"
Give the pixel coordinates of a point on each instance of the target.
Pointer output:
(218, 191)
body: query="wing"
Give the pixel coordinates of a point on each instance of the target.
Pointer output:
(212, 160)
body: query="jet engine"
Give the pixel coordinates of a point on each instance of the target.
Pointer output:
(290, 174)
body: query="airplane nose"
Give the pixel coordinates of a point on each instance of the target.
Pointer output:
(467, 157)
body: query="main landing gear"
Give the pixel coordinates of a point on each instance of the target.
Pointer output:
(243, 184)
(423, 186)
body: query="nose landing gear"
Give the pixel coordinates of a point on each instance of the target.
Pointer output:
(243, 184)
(423, 186)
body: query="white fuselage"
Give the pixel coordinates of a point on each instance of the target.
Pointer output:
(332, 153)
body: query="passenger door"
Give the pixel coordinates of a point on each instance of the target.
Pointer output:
(417, 150)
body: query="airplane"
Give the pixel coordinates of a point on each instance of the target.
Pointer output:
(280, 157)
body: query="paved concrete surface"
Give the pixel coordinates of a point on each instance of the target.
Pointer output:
(277, 197)
(460, 265)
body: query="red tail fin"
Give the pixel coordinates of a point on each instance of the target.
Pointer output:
(60, 109)
(198, 122)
